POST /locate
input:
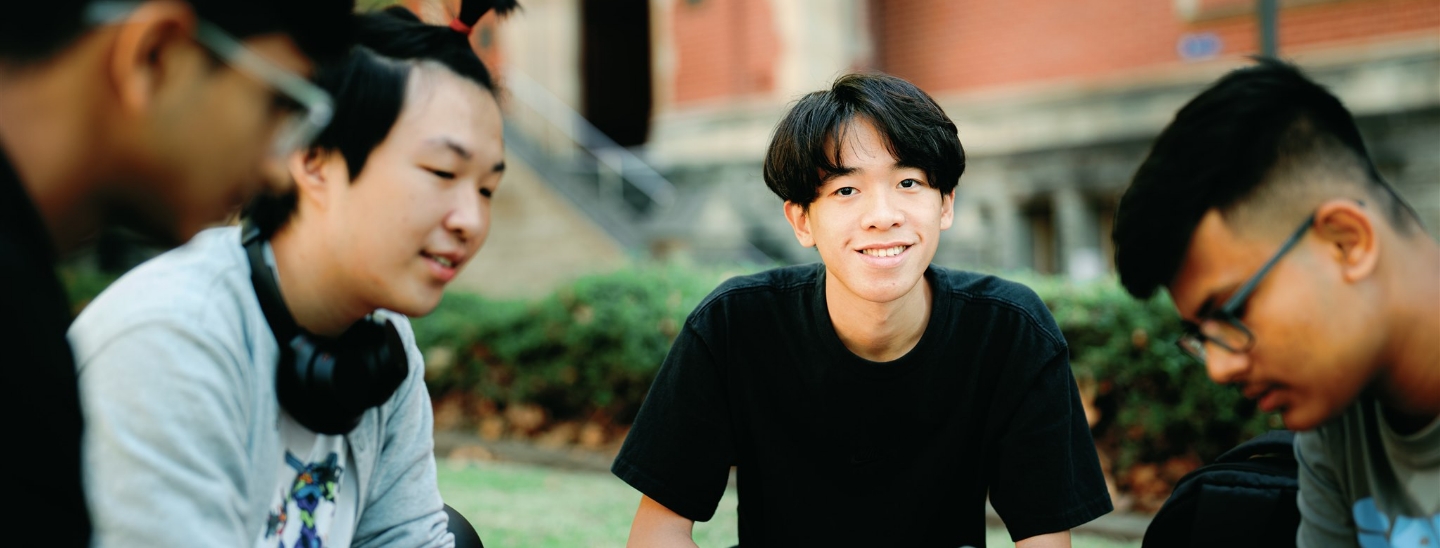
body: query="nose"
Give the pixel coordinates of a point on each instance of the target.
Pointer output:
(468, 220)
(882, 213)
(1224, 366)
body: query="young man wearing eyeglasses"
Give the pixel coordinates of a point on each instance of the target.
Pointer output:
(1307, 281)
(156, 115)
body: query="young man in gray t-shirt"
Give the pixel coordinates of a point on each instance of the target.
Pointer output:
(1306, 280)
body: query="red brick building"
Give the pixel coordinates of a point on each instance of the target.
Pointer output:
(1056, 100)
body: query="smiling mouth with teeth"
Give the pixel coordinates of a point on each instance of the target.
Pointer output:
(885, 252)
(444, 261)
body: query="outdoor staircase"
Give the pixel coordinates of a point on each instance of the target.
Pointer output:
(617, 190)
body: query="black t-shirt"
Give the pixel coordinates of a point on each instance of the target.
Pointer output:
(43, 400)
(831, 449)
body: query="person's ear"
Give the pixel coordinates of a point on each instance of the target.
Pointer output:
(146, 54)
(799, 217)
(1350, 234)
(314, 171)
(947, 209)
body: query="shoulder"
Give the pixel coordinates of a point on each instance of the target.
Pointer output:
(201, 289)
(413, 353)
(997, 301)
(762, 287)
(402, 326)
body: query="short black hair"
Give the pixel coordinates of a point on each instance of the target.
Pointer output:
(369, 93)
(369, 90)
(1228, 147)
(805, 148)
(396, 32)
(35, 30)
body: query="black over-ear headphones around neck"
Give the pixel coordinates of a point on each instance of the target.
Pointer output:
(326, 384)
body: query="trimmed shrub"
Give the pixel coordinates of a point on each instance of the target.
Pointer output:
(83, 284)
(590, 348)
(1156, 402)
(593, 347)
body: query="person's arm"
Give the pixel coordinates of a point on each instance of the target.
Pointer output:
(1049, 540)
(166, 458)
(679, 450)
(403, 505)
(1325, 518)
(1045, 475)
(657, 526)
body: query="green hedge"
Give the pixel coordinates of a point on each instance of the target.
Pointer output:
(593, 348)
(83, 283)
(1156, 401)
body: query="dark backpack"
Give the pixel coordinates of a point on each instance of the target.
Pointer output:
(1245, 498)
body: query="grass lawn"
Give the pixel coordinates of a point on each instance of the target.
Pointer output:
(528, 506)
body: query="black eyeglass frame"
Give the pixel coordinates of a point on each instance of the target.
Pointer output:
(1192, 342)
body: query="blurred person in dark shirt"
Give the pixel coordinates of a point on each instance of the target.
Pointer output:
(157, 115)
(1303, 278)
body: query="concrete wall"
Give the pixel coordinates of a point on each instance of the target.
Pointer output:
(538, 241)
(1048, 163)
(1056, 101)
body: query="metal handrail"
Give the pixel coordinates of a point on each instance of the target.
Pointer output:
(625, 164)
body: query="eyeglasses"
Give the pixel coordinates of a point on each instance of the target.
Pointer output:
(1223, 327)
(315, 108)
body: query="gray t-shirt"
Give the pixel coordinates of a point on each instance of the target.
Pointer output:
(1361, 484)
(186, 442)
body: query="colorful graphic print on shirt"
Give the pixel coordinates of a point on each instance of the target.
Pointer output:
(309, 500)
(1375, 529)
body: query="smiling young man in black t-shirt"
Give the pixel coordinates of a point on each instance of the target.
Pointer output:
(873, 398)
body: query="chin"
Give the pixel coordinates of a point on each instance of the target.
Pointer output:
(884, 291)
(1304, 419)
(882, 285)
(415, 306)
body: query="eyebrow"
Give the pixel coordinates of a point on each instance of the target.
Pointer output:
(1209, 305)
(1189, 326)
(450, 144)
(906, 165)
(841, 172)
(1206, 307)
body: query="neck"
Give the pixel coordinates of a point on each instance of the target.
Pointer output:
(50, 130)
(879, 332)
(318, 297)
(1409, 383)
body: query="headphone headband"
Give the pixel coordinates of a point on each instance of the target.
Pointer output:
(263, 277)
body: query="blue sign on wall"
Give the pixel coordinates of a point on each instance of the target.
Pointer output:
(1196, 46)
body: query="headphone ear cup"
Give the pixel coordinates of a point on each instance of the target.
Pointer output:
(326, 384)
(306, 385)
(378, 358)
